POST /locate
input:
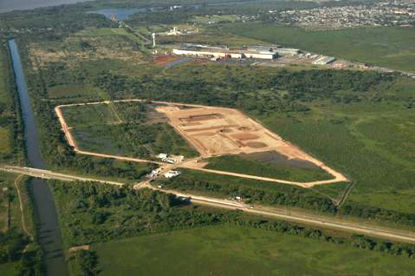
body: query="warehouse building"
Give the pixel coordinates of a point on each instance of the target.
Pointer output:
(218, 53)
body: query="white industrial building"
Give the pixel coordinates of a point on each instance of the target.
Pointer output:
(207, 53)
(224, 53)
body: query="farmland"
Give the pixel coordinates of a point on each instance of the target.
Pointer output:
(231, 250)
(391, 47)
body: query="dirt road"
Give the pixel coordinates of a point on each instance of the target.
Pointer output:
(261, 178)
(191, 164)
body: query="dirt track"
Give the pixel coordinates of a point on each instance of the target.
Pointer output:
(224, 131)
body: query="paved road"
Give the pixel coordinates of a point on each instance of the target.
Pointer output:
(278, 213)
(46, 174)
(294, 216)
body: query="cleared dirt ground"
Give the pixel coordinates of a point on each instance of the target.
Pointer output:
(216, 131)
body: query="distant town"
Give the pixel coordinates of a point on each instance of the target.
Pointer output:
(385, 13)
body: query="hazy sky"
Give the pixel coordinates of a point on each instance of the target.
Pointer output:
(9, 5)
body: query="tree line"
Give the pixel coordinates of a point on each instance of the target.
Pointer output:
(131, 213)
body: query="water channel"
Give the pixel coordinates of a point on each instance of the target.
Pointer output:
(47, 224)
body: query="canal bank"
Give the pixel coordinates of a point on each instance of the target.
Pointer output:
(48, 225)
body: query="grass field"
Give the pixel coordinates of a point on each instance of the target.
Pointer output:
(231, 250)
(372, 143)
(392, 47)
(245, 164)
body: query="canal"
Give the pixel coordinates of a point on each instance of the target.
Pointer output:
(47, 224)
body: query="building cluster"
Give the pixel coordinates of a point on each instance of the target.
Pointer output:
(258, 52)
(252, 52)
(385, 13)
(170, 174)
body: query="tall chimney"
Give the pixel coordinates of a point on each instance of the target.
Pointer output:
(153, 35)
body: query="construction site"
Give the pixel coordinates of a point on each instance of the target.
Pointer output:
(214, 131)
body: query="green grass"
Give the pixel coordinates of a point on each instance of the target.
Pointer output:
(89, 115)
(7, 181)
(72, 91)
(371, 143)
(392, 47)
(245, 164)
(132, 129)
(5, 146)
(231, 250)
(9, 269)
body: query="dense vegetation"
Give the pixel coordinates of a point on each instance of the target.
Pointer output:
(11, 131)
(92, 213)
(250, 191)
(18, 250)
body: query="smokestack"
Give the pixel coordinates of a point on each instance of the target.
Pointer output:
(153, 35)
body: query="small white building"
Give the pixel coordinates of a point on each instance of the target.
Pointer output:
(171, 174)
(154, 173)
(162, 155)
(323, 60)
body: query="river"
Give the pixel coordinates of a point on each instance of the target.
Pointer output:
(10, 5)
(48, 224)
